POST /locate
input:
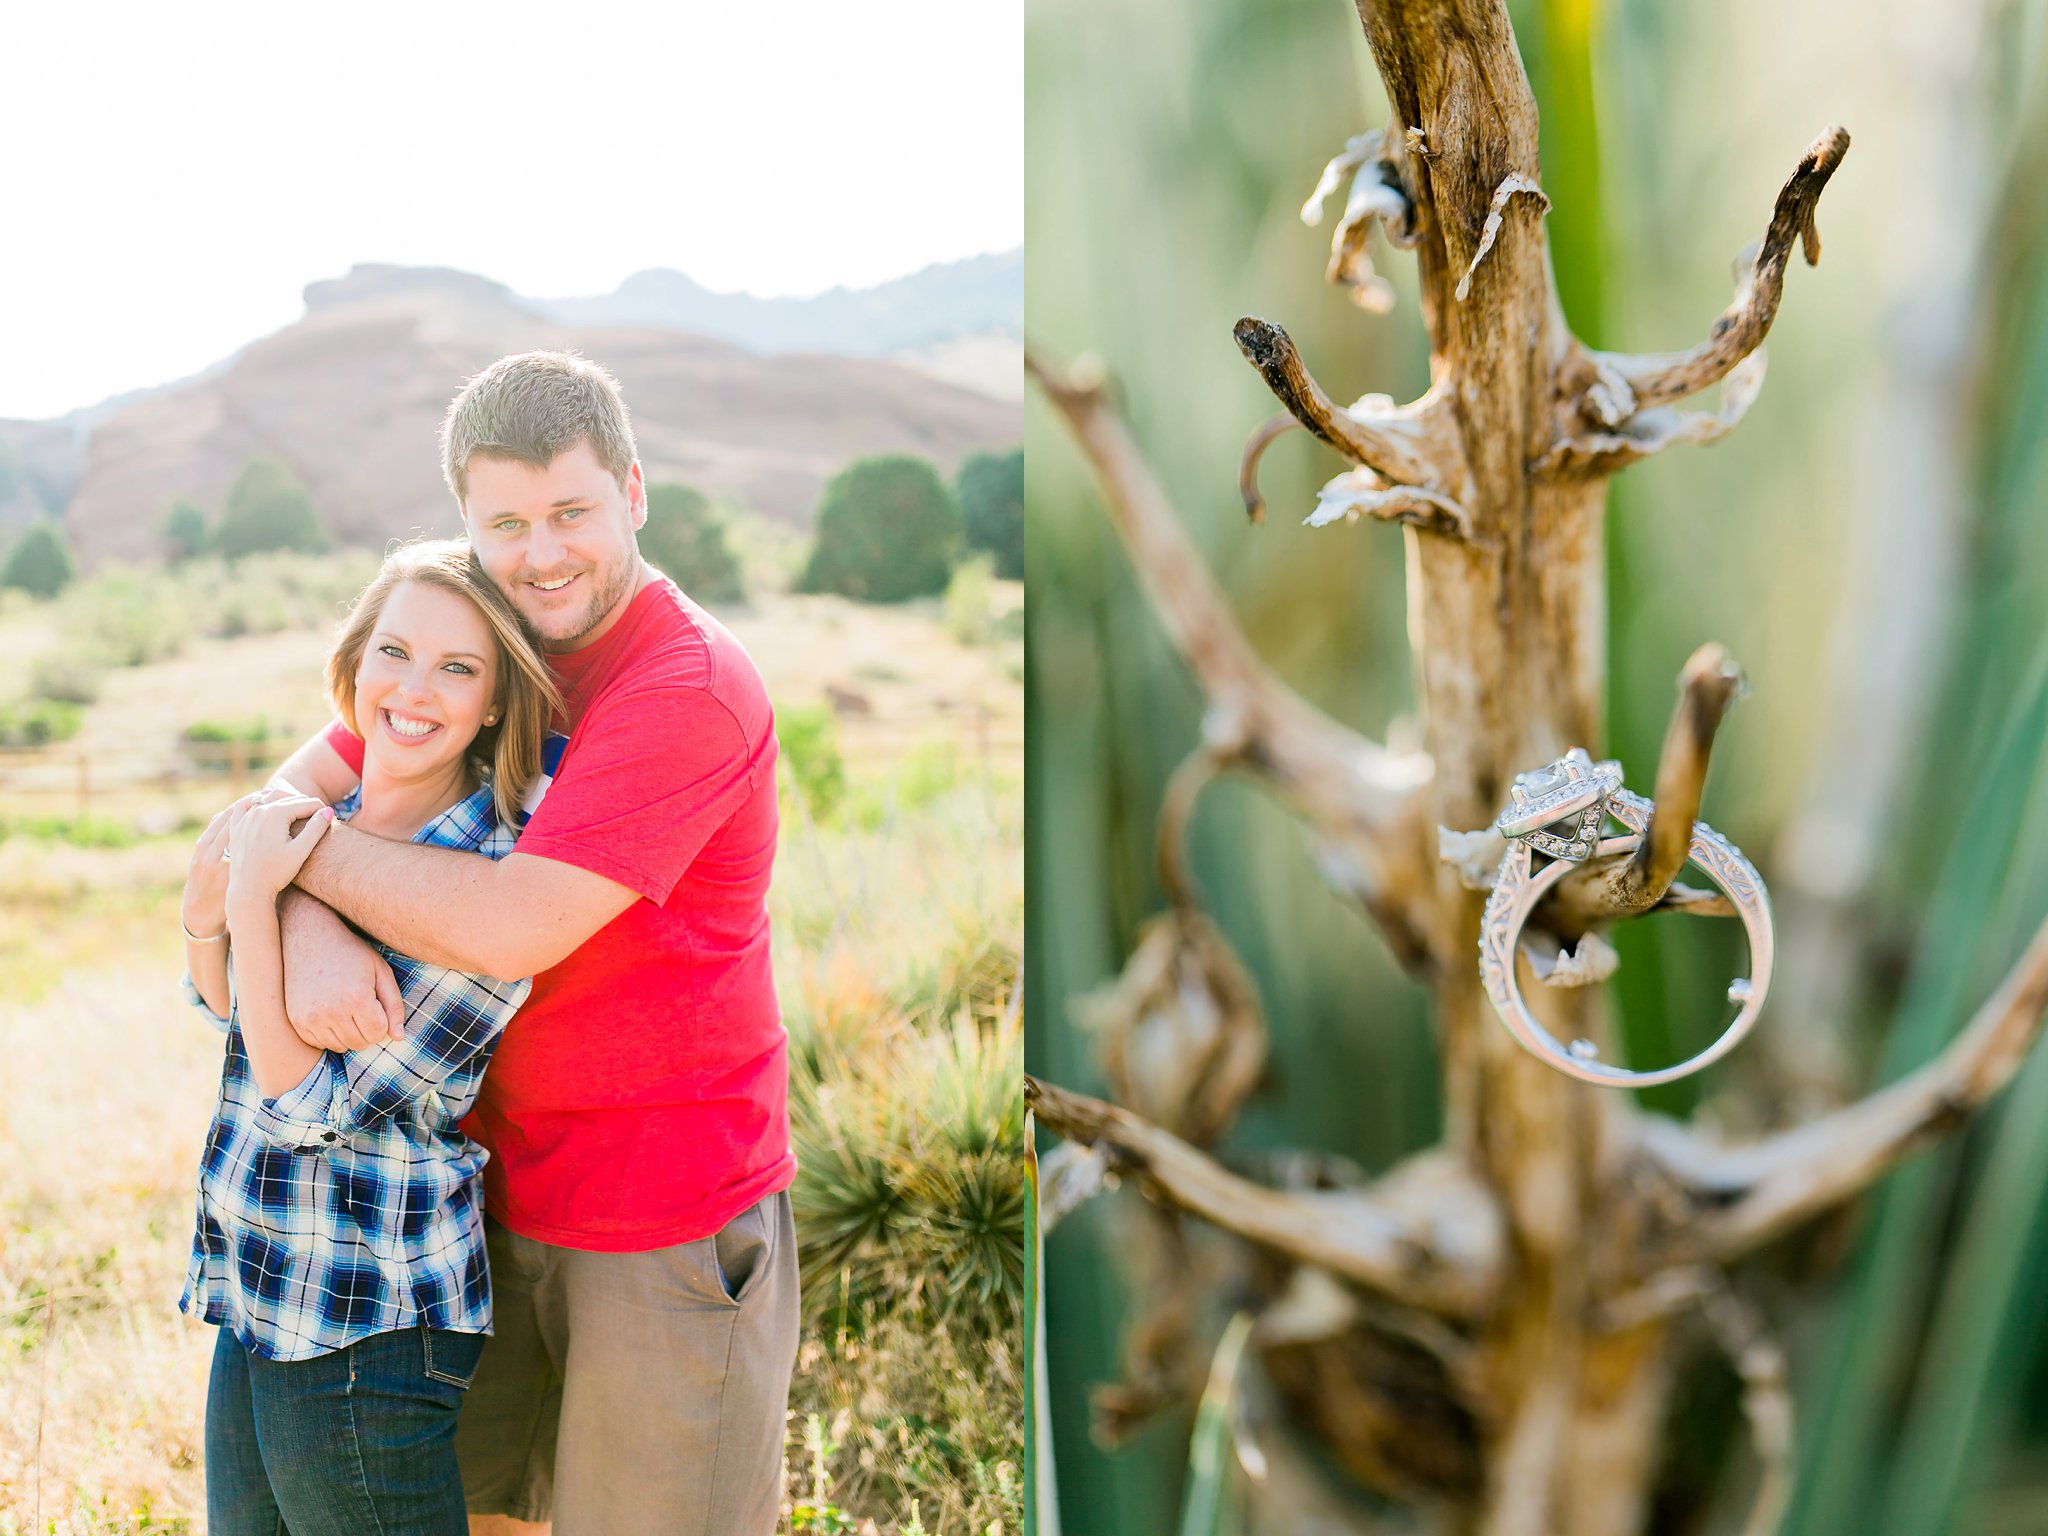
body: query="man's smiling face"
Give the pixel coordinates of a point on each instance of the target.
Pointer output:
(558, 541)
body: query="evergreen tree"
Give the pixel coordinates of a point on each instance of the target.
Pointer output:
(268, 509)
(685, 541)
(40, 562)
(991, 491)
(887, 530)
(183, 531)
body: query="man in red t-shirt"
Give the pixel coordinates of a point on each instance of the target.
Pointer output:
(642, 1257)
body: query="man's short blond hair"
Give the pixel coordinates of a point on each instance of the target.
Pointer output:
(529, 408)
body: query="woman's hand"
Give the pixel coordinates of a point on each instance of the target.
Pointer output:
(264, 853)
(205, 911)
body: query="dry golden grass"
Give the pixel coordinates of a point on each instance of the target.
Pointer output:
(103, 1106)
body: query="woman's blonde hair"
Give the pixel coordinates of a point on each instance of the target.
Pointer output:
(508, 753)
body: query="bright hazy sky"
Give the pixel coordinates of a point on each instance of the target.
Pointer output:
(176, 175)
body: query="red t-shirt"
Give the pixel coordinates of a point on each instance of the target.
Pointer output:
(641, 1097)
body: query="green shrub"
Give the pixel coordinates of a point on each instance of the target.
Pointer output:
(86, 831)
(280, 589)
(38, 722)
(928, 770)
(809, 739)
(183, 532)
(66, 677)
(990, 487)
(207, 742)
(247, 608)
(967, 601)
(887, 530)
(685, 541)
(267, 509)
(127, 617)
(40, 562)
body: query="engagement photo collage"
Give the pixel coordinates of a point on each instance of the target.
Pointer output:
(575, 958)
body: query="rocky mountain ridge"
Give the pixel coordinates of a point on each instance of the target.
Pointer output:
(350, 396)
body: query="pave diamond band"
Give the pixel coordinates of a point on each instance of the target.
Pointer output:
(1568, 837)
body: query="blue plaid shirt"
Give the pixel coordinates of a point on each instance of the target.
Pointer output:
(350, 1204)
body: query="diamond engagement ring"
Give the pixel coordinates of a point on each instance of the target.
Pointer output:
(1560, 811)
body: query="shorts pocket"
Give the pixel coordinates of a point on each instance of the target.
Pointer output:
(739, 1253)
(452, 1357)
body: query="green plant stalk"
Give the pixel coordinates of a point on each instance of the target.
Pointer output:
(1974, 1373)
(1873, 1334)
(1210, 1506)
(1570, 129)
(1041, 1481)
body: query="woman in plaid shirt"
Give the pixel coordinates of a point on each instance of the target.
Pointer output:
(339, 1243)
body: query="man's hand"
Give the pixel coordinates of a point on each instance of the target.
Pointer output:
(339, 995)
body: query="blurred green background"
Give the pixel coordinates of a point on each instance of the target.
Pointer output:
(1868, 544)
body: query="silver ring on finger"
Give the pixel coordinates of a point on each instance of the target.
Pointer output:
(1560, 811)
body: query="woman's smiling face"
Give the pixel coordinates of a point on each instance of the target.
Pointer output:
(427, 678)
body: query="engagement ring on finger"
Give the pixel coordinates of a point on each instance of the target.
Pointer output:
(1560, 811)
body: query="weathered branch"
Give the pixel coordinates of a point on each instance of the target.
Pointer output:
(1762, 1191)
(1609, 890)
(1395, 444)
(1248, 462)
(1657, 379)
(1364, 802)
(1176, 810)
(1428, 1234)
(1695, 903)
(1595, 455)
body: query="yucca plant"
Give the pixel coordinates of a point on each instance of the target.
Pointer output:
(910, 1189)
(1543, 1405)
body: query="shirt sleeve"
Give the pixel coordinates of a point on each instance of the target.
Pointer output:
(449, 1016)
(647, 781)
(348, 744)
(192, 996)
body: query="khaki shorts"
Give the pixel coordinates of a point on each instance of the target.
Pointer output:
(637, 1392)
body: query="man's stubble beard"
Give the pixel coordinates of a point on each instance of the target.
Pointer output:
(602, 602)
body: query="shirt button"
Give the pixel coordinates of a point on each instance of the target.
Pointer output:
(329, 1136)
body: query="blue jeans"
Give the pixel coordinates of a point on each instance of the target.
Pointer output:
(355, 1442)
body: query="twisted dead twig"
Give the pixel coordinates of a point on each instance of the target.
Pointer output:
(1753, 1194)
(1196, 772)
(1759, 1360)
(1609, 890)
(1364, 801)
(1655, 379)
(1403, 446)
(1427, 1235)
(1248, 462)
